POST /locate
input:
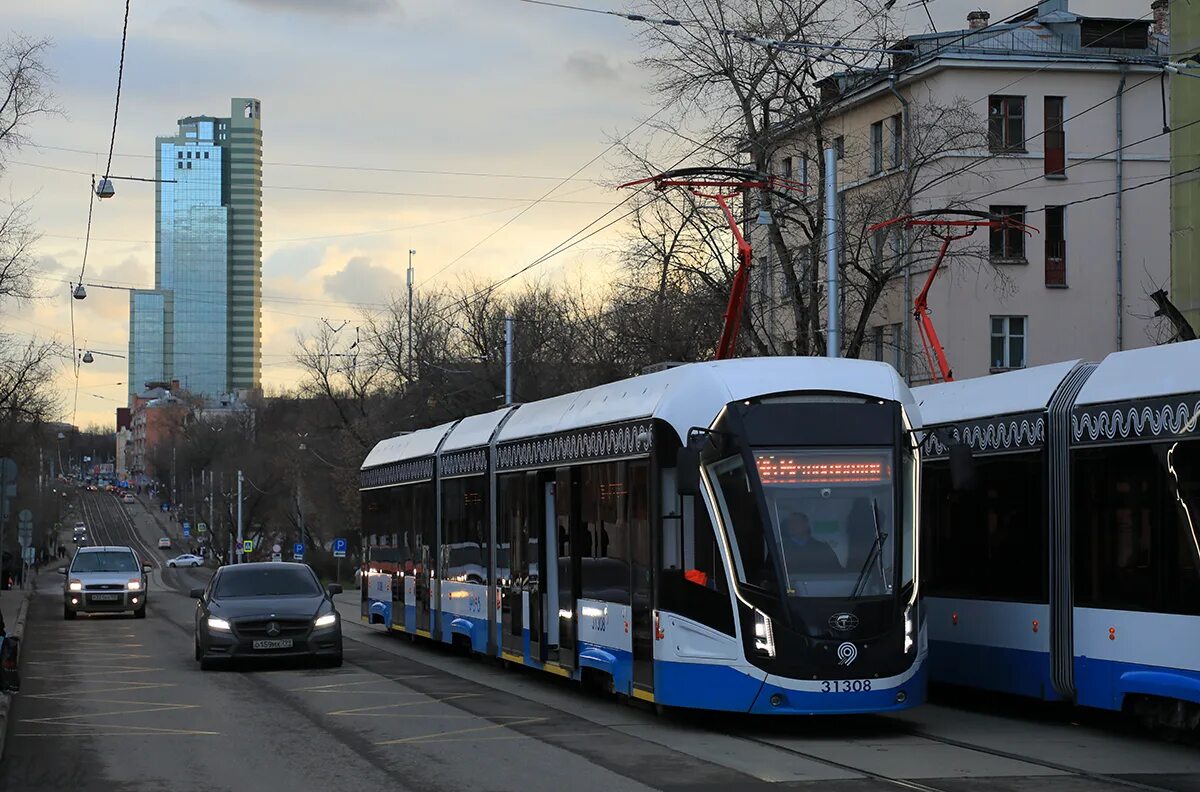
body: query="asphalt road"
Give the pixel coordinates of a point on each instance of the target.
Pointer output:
(112, 703)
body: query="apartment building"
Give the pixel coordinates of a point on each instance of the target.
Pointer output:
(1054, 119)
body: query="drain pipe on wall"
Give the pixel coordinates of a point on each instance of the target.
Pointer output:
(1120, 235)
(906, 327)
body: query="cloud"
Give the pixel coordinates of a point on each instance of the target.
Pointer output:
(362, 281)
(591, 67)
(333, 7)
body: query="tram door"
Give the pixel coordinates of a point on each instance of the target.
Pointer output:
(641, 544)
(516, 565)
(425, 549)
(562, 598)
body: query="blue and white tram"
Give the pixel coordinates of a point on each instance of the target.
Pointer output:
(1072, 570)
(738, 535)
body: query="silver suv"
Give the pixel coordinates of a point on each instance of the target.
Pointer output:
(105, 579)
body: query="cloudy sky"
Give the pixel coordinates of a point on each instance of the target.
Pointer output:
(501, 98)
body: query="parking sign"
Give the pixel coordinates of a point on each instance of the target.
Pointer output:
(298, 551)
(339, 548)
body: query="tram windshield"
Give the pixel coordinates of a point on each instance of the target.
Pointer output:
(830, 513)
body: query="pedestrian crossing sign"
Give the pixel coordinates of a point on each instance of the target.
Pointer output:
(248, 546)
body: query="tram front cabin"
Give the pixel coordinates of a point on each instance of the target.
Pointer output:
(736, 536)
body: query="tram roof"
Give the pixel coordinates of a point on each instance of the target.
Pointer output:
(1024, 390)
(474, 430)
(1144, 374)
(693, 394)
(421, 443)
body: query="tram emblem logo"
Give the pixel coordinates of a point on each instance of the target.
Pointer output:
(843, 622)
(847, 653)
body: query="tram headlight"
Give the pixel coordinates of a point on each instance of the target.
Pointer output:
(764, 634)
(909, 641)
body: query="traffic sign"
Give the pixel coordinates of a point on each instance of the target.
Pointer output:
(201, 528)
(276, 548)
(247, 545)
(186, 525)
(25, 515)
(298, 551)
(29, 554)
(186, 533)
(339, 548)
(276, 557)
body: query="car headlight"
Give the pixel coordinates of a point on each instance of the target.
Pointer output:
(218, 624)
(328, 620)
(75, 585)
(764, 634)
(134, 585)
(909, 642)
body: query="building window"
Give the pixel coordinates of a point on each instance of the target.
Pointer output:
(180, 154)
(886, 344)
(876, 147)
(1056, 246)
(1006, 123)
(189, 166)
(179, 165)
(1114, 33)
(1007, 243)
(897, 140)
(1056, 142)
(787, 167)
(839, 145)
(804, 168)
(206, 155)
(1008, 342)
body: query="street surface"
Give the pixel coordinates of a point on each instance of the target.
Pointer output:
(119, 704)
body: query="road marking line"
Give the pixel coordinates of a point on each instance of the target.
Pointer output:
(164, 707)
(100, 674)
(367, 710)
(438, 735)
(332, 685)
(180, 733)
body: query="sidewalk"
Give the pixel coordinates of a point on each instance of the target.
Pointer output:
(16, 629)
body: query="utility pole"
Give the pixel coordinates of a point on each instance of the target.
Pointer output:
(411, 253)
(212, 526)
(508, 360)
(832, 285)
(239, 518)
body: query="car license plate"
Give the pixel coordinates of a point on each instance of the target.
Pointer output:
(275, 643)
(106, 597)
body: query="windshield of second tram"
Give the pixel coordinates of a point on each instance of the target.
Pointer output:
(831, 513)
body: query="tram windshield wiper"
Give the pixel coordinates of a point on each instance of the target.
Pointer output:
(874, 556)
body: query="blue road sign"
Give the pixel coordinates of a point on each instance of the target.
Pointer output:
(339, 548)
(298, 551)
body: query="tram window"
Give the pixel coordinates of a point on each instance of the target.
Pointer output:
(988, 544)
(423, 526)
(604, 573)
(464, 539)
(692, 580)
(379, 511)
(407, 538)
(1135, 527)
(752, 551)
(511, 526)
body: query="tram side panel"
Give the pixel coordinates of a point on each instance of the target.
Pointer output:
(985, 560)
(1136, 570)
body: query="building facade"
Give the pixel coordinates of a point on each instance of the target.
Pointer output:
(1184, 23)
(1052, 119)
(201, 324)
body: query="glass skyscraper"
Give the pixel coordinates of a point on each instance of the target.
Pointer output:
(201, 324)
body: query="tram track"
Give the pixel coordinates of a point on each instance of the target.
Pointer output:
(922, 786)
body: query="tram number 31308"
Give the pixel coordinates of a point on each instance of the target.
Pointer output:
(846, 686)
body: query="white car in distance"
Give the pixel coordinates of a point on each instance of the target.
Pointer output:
(186, 560)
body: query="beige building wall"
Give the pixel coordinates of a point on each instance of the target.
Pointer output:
(1079, 320)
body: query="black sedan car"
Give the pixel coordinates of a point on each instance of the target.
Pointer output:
(266, 610)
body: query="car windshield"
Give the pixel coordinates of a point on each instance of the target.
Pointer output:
(831, 511)
(274, 582)
(105, 561)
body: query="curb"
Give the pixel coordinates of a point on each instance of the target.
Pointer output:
(6, 699)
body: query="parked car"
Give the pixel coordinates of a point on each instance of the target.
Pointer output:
(165, 542)
(185, 560)
(105, 579)
(127, 498)
(267, 609)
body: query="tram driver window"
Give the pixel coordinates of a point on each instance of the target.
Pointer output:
(692, 581)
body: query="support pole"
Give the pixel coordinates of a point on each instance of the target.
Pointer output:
(508, 360)
(239, 519)
(833, 293)
(411, 253)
